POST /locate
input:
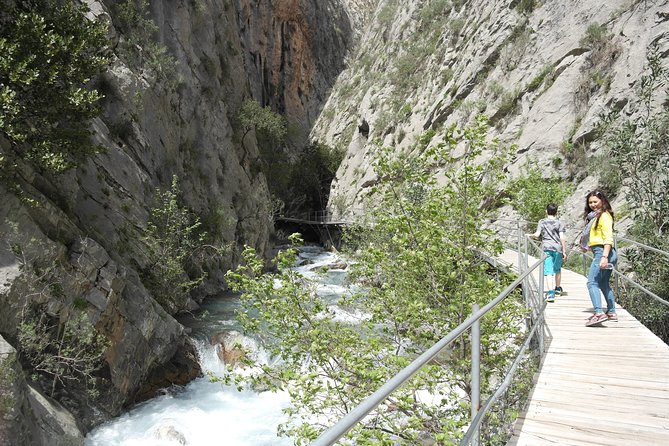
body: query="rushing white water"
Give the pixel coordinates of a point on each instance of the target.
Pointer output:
(204, 413)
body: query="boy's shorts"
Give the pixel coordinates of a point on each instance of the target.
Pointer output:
(552, 263)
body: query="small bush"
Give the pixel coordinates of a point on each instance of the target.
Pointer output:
(69, 351)
(595, 35)
(172, 238)
(526, 6)
(532, 191)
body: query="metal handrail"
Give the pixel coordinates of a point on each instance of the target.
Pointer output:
(478, 419)
(650, 248)
(366, 406)
(530, 289)
(642, 288)
(619, 275)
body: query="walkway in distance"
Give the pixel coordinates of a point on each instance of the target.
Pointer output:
(603, 385)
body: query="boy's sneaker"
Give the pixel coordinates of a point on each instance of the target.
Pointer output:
(558, 290)
(550, 296)
(613, 317)
(596, 319)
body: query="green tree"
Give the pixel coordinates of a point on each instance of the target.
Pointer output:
(172, 238)
(140, 48)
(421, 267)
(271, 127)
(532, 191)
(311, 176)
(49, 52)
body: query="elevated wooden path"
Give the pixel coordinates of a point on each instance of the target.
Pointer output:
(606, 385)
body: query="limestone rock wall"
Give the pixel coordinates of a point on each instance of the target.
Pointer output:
(538, 72)
(26, 416)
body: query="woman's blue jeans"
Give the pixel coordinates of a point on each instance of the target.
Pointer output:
(598, 281)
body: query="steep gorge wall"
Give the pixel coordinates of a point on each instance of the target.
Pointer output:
(537, 72)
(74, 240)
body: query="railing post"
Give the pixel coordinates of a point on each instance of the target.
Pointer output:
(519, 248)
(616, 283)
(541, 282)
(521, 256)
(540, 301)
(476, 371)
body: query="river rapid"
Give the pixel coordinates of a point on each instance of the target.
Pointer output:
(206, 413)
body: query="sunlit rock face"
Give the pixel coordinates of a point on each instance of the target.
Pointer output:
(544, 74)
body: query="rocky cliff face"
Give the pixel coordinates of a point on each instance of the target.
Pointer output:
(544, 72)
(72, 243)
(294, 50)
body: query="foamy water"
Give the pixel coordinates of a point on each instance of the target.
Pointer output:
(201, 413)
(205, 413)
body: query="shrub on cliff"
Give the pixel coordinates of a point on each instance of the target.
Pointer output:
(172, 237)
(49, 52)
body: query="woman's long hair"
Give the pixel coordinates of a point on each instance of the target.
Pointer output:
(606, 206)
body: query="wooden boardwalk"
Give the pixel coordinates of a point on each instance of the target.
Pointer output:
(606, 385)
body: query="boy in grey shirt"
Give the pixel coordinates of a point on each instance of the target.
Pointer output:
(554, 243)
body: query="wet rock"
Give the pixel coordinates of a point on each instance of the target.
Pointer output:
(170, 434)
(231, 346)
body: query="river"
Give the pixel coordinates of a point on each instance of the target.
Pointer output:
(206, 413)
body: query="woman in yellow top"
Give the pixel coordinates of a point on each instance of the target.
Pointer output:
(598, 237)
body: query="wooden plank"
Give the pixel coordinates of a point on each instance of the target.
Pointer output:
(604, 385)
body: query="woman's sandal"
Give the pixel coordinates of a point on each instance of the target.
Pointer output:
(596, 319)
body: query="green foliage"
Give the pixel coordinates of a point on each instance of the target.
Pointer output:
(435, 9)
(508, 103)
(652, 271)
(312, 175)
(497, 427)
(546, 74)
(638, 150)
(532, 192)
(66, 351)
(387, 14)
(304, 184)
(595, 35)
(48, 54)
(456, 26)
(172, 238)
(526, 6)
(421, 271)
(140, 48)
(271, 128)
(7, 382)
(301, 183)
(604, 51)
(515, 46)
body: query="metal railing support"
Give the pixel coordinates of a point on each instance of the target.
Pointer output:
(522, 260)
(650, 248)
(331, 435)
(474, 426)
(642, 288)
(476, 371)
(616, 280)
